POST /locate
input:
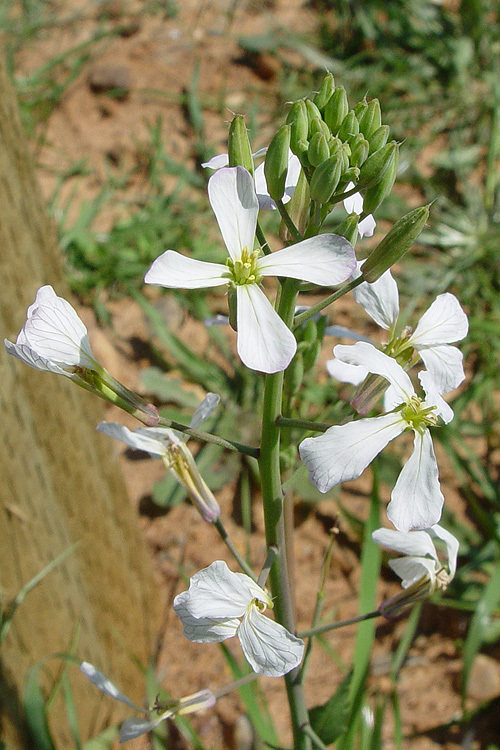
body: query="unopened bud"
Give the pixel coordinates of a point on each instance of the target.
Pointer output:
(326, 89)
(360, 108)
(349, 126)
(298, 208)
(312, 111)
(374, 195)
(360, 149)
(318, 149)
(276, 163)
(325, 179)
(239, 150)
(294, 374)
(336, 109)
(299, 123)
(395, 244)
(379, 138)
(371, 119)
(377, 165)
(319, 126)
(349, 228)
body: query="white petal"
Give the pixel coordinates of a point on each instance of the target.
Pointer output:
(203, 629)
(140, 439)
(353, 204)
(104, 685)
(354, 374)
(452, 546)
(414, 543)
(176, 271)
(55, 332)
(379, 363)
(265, 343)
(344, 451)
(216, 162)
(411, 569)
(132, 728)
(31, 358)
(434, 398)
(268, 647)
(443, 323)
(416, 500)
(232, 196)
(204, 410)
(216, 592)
(366, 227)
(292, 175)
(266, 203)
(380, 299)
(445, 364)
(327, 260)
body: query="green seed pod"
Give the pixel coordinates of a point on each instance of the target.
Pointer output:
(294, 374)
(326, 89)
(336, 109)
(312, 111)
(359, 150)
(276, 163)
(374, 195)
(325, 179)
(298, 208)
(378, 164)
(395, 244)
(379, 138)
(349, 127)
(371, 119)
(318, 149)
(299, 123)
(239, 150)
(349, 228)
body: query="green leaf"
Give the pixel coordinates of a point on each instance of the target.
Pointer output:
(329, 721)
(34, 706)
(167, 389)
(103, 740)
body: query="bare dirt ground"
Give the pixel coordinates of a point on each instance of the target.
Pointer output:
(153, 59)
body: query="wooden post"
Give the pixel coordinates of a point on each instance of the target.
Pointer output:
(58, 485)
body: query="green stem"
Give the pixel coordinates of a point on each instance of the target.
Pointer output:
(264, 245)
(269, 464)
(319, 629)
(327, 301)
(294, 232)
(230, 545)
(207, 437)
(306, 424)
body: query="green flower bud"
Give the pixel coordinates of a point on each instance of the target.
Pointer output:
(325, 179)
(311, 354)
(298, 208)
(360, 108)
(231, 303)
(360, 149)
(276, 163)
(294, 374)
(379, 138)
(239, 150)
(374, 195)
(318, 149)
(378, 164)
(395, 244)
(345, 154)
(371, 119)
(299, 122)
(336, 109)
(349, 126)
(349, 175)
(312, 111)
(326, 89)
(310, 331)
(349, 228)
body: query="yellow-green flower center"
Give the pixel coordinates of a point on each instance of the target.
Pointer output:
(418, 416)
(244, 269)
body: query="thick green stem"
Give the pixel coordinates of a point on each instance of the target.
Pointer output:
(327, 301)
(269, 464)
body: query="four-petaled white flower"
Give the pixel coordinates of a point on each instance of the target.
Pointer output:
(210, 611)
(264, 342)
(442, 324)
(344, 451)
(421, 558)
(169, 445)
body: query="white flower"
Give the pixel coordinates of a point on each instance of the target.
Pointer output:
(210, 611)
(169, 445)
(344, 451)
(444, 323)
(264, 342)
(354, 205)
(421, 558)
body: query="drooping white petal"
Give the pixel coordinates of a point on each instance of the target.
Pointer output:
(434, 398)
(378, 363)
(452, 546)
(417, 500)
(366, 227)
(380, 299)
(203, 629)
(104, 685)
(265, 201)
(354, 203)
(445, 364)
(344, 451)
(264, 342)
(31, 358)
(411, 569)
(173, 270)
(232, 196)
(151, 440)
(216, 592)
(413, 543)
(354, 374)
(443, 323)
(204, 410)
(268, 647)
(327, 260)
(216, 162)
(55, 333)
(132, 728)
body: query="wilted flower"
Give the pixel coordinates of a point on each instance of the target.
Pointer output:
(210, 611)
(265, 343)
(54, 339)
(344, 451)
